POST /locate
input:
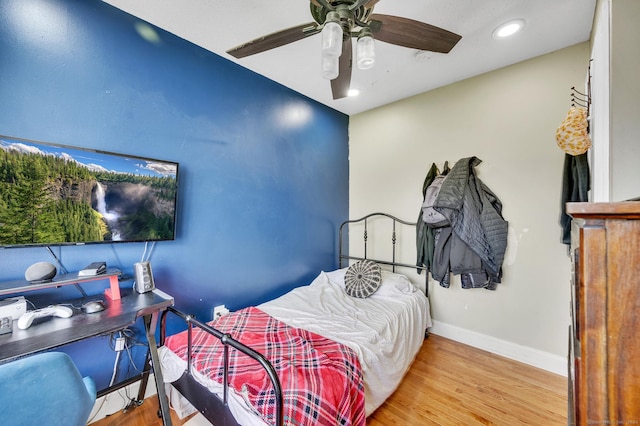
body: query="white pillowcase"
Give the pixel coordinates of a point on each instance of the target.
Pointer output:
(391, 282)
(337, 277)
(398, 282)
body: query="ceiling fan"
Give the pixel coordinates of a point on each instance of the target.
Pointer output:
(340, 20)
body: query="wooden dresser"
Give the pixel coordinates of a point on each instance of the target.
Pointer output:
(604, 337)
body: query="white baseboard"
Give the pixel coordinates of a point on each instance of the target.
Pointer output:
(547, 361)
(118, 400)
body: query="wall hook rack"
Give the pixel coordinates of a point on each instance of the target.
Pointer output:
(583, 100)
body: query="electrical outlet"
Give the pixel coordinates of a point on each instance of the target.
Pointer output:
(120, 343)
(219, 311)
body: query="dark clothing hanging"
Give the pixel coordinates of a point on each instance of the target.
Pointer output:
(424, 234)
(478, 230)
(452, 255)
(425, 238)
(440, 270)
(473, 246)
(575, 188)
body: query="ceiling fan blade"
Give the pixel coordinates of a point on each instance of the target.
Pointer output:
(274, 40)
(414, 34)
(340, 85)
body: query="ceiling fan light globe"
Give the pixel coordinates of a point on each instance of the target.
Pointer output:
(366, 53)
(331, 39)
(366, 64)
(330, 66)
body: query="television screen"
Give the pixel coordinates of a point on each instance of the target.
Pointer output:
(59, 195)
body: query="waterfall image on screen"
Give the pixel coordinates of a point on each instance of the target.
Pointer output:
(55, 195)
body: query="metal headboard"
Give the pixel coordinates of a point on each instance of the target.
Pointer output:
(365, 236)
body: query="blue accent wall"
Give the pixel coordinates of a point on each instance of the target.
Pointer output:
(263, 170)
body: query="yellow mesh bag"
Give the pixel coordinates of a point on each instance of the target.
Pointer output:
(572, 135)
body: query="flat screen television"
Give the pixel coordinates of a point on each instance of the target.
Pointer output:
(61, 195)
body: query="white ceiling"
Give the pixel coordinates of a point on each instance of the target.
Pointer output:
(218, 25)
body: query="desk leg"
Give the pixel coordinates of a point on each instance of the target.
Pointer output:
(145, 377)
(150, 327)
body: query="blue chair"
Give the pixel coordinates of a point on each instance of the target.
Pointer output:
(45, 389)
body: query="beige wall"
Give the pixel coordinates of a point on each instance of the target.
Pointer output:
(624, 99)
(507, 118)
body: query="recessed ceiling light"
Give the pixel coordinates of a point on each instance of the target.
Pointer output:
(508, 28)
(353, 92)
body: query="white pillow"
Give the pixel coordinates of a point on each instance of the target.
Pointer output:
(391, 282)
(337, 277)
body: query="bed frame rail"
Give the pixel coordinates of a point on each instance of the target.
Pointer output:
(208, 404)
(344, 227)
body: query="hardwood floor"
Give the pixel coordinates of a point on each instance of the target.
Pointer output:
(453, 384)
(448, 384)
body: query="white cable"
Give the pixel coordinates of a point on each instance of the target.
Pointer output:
(115, 366)
(113, 378)
(153, 246)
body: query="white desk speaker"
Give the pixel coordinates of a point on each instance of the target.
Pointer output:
(144, 277)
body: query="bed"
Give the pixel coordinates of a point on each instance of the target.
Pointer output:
(320, 354)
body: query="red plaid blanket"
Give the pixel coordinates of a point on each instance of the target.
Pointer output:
(321, 379)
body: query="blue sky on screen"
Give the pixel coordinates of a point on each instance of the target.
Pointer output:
(96, 161)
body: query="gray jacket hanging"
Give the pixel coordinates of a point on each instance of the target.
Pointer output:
(475, 214)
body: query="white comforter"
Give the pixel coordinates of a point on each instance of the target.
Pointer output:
(386, 329)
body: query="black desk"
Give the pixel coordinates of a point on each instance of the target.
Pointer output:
(50, 332)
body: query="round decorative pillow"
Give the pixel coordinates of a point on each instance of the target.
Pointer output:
(363, 278)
